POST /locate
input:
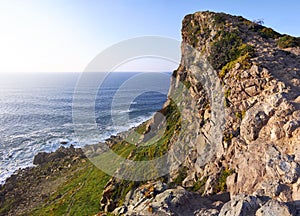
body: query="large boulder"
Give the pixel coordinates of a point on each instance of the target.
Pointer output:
(241, 205)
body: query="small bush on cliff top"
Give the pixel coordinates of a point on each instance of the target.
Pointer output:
(268, 33)
(244, 63)
(288, 41)
(225, 49)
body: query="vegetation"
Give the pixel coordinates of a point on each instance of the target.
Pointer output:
(187, 84)
(229, 50)
(193, 31)
(182, 174)
(288, 41)
(225, 49)
(227, 93)
(78, 195)
(228, 137)
(241, 114)
(150, 151)
(199, 185)
(268, 33)
(221, 185)
(219, 18)
(244, 62)
(256, 26)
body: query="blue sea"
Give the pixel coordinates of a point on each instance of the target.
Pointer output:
(36, 112)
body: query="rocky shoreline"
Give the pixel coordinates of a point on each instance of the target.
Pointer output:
(31, 186)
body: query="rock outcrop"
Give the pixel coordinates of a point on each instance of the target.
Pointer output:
(243, 85)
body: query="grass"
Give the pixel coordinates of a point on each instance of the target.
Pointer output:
(149, 152)
(81, 191)
(199, 186)
(221, 184)
(182, 174)
(79, 195)
(243, 55)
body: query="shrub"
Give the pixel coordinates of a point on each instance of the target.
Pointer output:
(268, 33)
(243, 60)
(219, 19)
(225, 49)
(182, 174)
(288, 41)
(187, 84)
(228, 137)
(199, 185)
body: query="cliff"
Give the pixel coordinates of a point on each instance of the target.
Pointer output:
(240, 97)
(229, 145)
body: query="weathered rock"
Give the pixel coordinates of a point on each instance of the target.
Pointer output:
(241, 205)
(176, 201)
(274, 208)
(296, 190)
(255, 119)
(290, 127)
(207, 212)
(277, 131)
(61, 154)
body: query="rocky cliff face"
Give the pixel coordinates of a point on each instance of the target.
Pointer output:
(261, 85)
(243, 84)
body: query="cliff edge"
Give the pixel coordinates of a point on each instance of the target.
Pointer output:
(247, 75)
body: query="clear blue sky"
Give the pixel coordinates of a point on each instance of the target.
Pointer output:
(64, 35)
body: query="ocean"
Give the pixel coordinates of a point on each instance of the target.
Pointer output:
(36, 113)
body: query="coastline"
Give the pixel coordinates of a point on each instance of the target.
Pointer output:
(51, 173)
(72, 143)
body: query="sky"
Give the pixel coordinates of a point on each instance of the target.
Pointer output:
(65, 35)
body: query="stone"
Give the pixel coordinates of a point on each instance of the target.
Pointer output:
(120, 210)
(277, 131)
(207, 212)
(241, 205)
(40, 158)
(252, 124)
(231, 182)
(273, 208)
(296, 190)
(290, 126)
(252, 91)
(271, 187)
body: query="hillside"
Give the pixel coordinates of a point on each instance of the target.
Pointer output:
(232, 134)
